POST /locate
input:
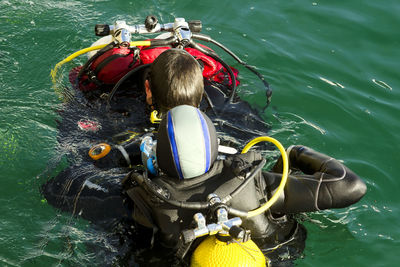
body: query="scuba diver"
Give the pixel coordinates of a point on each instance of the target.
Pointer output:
(119, 87)
(187, 168)
(174, 78)
(184, 165)
(92, 186)
(125, 80)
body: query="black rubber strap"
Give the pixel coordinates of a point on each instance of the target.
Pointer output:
(85, 67)
(106, 61)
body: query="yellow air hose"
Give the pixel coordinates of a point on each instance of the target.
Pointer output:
(281, 186)
(53, 72)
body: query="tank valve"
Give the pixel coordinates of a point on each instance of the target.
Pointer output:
(150, 22)
(102, 29)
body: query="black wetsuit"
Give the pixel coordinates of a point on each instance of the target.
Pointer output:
(324, 183)
(317, 182)
(127, 115)
(123, 118)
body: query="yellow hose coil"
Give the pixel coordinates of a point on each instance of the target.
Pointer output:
(285, 172)
(53, 72)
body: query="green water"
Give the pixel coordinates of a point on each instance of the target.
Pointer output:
(334, 68)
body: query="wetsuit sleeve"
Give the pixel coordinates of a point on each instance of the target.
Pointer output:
(322, 183)
(82, 190)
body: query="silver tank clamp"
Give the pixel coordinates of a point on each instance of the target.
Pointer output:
(223, 226)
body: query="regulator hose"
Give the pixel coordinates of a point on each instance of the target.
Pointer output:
(126, 76)
(206, 38)
(163, 42)
(285, 172)
(226, 66)
(238, 189)
(151, 187)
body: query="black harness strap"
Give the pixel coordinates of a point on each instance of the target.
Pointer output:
(85, 67)
(106, 61)
(142, 207)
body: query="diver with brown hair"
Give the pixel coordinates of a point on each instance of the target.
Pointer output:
(174, 78)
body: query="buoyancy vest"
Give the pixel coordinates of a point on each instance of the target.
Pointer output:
(109, 66)
(222, 179)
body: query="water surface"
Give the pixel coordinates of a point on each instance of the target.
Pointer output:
(333, 66)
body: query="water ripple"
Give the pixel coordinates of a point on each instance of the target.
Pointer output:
(382, 84)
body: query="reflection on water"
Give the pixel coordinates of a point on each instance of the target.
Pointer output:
(382, 84)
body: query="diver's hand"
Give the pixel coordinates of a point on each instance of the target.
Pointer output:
(278, 167)
(302, 158)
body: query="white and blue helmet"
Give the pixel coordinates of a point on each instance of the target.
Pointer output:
(187, 144)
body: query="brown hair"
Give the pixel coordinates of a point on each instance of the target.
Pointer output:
(176, 79)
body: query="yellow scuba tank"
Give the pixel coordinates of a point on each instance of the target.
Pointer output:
(213, 252)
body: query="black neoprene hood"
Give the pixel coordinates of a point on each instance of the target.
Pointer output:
(187, 144)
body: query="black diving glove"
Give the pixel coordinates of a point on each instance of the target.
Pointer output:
(302, 158)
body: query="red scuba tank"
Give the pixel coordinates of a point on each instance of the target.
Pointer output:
(108, 68)
(212, 69)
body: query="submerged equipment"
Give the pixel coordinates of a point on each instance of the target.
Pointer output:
(122, 154)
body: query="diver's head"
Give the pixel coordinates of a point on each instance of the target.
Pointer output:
(175, 78)
(187, 143)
